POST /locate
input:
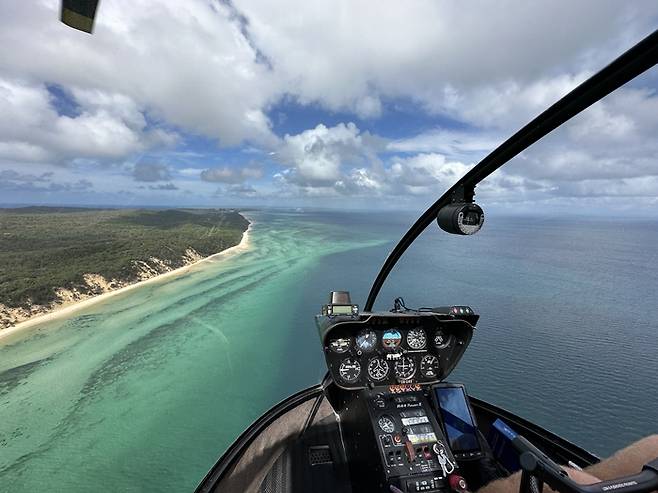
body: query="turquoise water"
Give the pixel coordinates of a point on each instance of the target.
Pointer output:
(144, 391)
(154, 384)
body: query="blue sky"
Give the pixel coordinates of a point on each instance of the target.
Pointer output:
(255, 103)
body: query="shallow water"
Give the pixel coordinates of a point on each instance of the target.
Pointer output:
(144, 391)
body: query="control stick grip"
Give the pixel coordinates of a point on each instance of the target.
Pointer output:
(644, 482)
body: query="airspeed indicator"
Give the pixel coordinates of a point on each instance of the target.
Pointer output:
(429, 366)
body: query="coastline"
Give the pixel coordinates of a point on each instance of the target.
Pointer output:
(66, 309)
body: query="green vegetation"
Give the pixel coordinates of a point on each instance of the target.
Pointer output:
(43, 248)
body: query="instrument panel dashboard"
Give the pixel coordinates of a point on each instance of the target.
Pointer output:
(393, 348)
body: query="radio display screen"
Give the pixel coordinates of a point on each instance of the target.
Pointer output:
(456, 415)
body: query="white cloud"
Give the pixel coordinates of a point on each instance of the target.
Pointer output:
(151, 172)
(426, 173)
(234, 175)
(185, 62)
(491, 62)
(108, 126)
(156, 68)
(466, 145)
(215, 69)
(316, 157)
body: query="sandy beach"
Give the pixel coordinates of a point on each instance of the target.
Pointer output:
(66, 309)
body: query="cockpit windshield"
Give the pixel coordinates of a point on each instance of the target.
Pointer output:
(181, 189)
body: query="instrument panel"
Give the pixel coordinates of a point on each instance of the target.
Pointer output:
(392, 349)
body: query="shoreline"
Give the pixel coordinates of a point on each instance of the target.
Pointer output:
(66, 309)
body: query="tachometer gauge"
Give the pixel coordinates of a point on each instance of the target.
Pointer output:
(349, 370)
(387, 424)
(429, 366)
(340, 345)
(405, 368)
(441, 339)
(378, 369)
(366, 340)
(416, 339)
(391, 339)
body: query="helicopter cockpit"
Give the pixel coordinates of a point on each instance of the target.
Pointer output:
(406, 430)
(385, 419)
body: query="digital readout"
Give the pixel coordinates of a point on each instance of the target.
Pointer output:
(421, 438)
(415, 420)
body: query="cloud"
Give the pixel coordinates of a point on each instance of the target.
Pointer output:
(242, 191)
(108, 126)
(233, 60)
(465, 144)
(151, 172)
(238, 191)
(342, 160)
(13, 175)
(158, 74)
(190, 172)
(209, 81)
(15, 181)
(164, 186)
(315, 157)
(227, 174)
(448, 59)
(222, 175)
(425, 173)
(606, 151)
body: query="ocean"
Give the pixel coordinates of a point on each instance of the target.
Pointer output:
(144, 391)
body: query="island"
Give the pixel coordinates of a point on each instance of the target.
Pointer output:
(55, 256)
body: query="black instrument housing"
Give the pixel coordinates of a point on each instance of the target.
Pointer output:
(459, 331)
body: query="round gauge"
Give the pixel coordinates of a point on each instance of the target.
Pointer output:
(378, 369)
(405, 368)
(340, 345)
(429, 366)
(391, 339)
(441, 339)
(416, 338)
(386, 423)
(349, 370)
(366, 340)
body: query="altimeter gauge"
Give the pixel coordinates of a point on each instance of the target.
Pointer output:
(429, 366)
(349, 370)
(416, 338)
(405, 368)
(366, 340)
(378, 369)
